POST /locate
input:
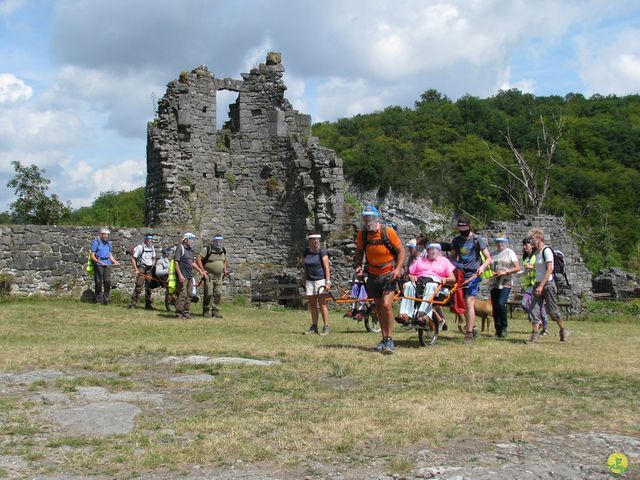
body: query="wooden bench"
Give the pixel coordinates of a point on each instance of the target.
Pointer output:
(276, 292)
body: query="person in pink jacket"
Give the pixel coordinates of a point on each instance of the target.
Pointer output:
(430, 269)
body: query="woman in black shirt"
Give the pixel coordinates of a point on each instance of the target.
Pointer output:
(317, 281)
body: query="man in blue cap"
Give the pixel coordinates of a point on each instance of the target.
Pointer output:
(213, 260)
(142, 260)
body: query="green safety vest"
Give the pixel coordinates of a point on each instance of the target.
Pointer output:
(529, 277)
(90, 267)
(172, 280)
(488, 273)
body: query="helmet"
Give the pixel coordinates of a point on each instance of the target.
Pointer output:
(370, 210)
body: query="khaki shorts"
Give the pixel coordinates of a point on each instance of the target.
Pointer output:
(314, 287)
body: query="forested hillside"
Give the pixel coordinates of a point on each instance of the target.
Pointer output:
(441, 150)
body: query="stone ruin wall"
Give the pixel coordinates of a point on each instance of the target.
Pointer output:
(261, 181)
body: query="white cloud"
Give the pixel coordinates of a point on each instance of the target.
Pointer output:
(296, 89)
(30, 130)
(526, 85)
(12, 89)
(125, 175)
(340, 96)
(612, 68)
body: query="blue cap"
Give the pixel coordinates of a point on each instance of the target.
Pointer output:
(370, 210)
(502, 239)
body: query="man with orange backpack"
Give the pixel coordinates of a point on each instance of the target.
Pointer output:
(385, 256)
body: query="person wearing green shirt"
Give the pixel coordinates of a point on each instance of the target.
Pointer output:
(213, 259)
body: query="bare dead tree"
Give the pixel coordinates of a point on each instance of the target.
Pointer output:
(527, 184)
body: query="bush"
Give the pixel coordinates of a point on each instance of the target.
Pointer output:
(6, 282)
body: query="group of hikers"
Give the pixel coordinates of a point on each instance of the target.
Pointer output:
(383, 266)
(173, 270)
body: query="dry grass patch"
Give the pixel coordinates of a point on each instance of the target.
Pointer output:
(330, 396)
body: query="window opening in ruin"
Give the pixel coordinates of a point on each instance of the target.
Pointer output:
(226, 110)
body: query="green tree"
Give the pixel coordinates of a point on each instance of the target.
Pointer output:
(119, 209)
(33, 205)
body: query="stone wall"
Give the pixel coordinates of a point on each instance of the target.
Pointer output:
(51, 260)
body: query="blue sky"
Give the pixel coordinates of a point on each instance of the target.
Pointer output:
(78, 77)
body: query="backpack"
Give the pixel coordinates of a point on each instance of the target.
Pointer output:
(559, 264)
(132, 249)
(210, 251)
(385, 238)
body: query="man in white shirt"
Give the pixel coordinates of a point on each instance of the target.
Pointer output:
(142, 261)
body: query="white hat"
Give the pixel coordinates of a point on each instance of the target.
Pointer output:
(105, 230)
(435, 245)
(314, 235)
(413, 243)
(188, 236)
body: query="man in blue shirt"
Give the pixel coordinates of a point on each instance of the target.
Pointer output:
(467, 248)
(102, 257)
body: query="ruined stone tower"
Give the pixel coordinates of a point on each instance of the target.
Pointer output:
(262, 180)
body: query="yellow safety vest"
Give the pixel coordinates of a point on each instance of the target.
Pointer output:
(90, 267)
(172, 280)
(488, 273)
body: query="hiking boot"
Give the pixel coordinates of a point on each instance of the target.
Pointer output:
(312, 329)
(534, 338)
(207, 314)
(379, 347)
(475, 332)
(131, 305)
(468, 337)
(325, 330)
(388, 347)
(217, 314)
(564, 335)
(544, 332)
(503, 334)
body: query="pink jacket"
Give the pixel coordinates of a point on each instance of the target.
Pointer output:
(440, 268)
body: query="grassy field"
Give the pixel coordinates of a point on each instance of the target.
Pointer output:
(329, 397)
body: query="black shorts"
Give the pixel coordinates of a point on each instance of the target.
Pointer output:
(377, 286)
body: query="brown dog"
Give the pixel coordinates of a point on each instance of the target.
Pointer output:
(484, 310)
